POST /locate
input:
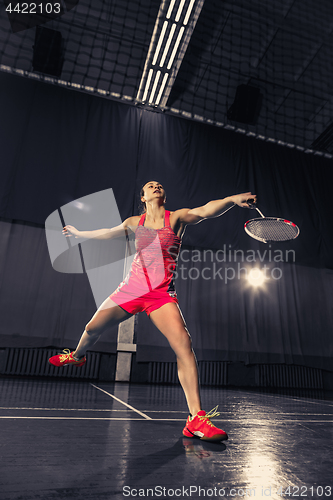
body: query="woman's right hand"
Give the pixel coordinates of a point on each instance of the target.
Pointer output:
(71, 231)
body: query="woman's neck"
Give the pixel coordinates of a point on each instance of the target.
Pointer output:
(155, 212)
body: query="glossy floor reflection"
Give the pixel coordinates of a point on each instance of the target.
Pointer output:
(74, 440)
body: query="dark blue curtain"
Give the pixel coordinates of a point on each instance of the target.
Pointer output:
(59, 145)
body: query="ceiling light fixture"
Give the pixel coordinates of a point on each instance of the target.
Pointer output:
(180, 9)
(148, 83)
(172, 32)
(167, 45)
(157, 77)
(175, 48)
(165, 25)
(165, 78)
(170, 9)
(188, 13)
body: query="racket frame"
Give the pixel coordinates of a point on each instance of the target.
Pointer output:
(252, 206)
(270, 218)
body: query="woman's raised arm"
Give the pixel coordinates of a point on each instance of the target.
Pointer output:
(102, 234)
(215, 208)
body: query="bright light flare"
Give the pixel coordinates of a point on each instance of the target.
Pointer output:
(256, 277)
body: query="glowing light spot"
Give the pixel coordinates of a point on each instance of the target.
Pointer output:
(256, 277)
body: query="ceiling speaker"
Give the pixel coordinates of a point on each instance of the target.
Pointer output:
(246, 106)
(48, 51)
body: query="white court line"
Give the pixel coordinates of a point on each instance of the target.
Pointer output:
(25, 408)
(244, 421)
(87, 409)
(122, 402)
(72, 418)
(59, 409)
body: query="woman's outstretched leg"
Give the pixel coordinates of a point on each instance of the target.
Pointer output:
(170, 322)
(107, 315)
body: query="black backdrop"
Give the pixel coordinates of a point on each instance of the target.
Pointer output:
(58, 145)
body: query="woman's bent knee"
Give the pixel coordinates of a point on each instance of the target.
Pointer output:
(91, 330)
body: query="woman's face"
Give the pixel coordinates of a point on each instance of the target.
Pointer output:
(152, 190)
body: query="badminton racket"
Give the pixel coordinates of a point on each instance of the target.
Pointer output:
(267, 229)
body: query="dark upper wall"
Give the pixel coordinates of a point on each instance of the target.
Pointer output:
(58, 145)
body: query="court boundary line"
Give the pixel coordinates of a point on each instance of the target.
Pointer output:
(71, 418)
(25, 408)
(123, 402)
(262, 423)
(52, 408)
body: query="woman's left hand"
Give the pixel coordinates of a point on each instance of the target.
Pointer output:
(245, 200)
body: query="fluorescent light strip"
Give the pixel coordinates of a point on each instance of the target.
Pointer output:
(166, 76)
(170, 9)
(151, 99)
(180, 9)
(150, 74)
(188, 13)
(166, 48)
(158, 47)
(175, 48)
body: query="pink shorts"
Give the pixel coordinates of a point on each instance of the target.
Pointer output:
(149, 302)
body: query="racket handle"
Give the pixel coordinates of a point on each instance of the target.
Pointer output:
(251, 202)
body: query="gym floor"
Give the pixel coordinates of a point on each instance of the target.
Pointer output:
(65, 439)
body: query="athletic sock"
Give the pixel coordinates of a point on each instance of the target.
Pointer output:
(77, 359)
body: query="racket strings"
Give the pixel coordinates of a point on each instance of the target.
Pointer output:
(271, 229)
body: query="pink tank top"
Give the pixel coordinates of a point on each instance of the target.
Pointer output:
(156, 258)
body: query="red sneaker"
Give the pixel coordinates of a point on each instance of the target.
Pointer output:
(201, 426)
(66, 359)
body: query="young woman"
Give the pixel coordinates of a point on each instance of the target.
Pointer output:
(149, 287)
